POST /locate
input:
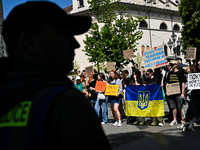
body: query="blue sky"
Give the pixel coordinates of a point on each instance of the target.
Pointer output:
(8, 5)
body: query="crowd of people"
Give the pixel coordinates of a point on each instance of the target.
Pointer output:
(173, 72)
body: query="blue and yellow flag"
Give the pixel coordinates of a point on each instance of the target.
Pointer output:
(144, 101)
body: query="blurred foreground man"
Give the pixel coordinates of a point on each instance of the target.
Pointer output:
(39, 108)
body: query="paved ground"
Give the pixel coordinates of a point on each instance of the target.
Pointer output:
(131, 137)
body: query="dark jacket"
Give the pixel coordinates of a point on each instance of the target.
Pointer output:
(70, 121)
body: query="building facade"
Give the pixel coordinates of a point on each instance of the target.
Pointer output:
(162, 20)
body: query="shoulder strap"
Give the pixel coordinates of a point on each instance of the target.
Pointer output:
(39, 110)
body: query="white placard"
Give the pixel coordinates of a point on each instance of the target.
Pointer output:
(193, 81)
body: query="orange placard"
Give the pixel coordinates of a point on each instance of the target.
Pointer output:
(100, 86)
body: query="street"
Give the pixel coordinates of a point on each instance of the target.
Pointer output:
(132, 137)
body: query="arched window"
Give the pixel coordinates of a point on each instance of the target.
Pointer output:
(163, 26)
(176, 27)
(143, 24)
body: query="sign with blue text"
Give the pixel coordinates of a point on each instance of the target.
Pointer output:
(154, 58)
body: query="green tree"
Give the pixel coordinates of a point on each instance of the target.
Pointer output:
(190, 14)
(117, 33)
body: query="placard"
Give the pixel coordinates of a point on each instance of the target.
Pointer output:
(100, 86)
(154, 58)
(112, 90)
(89, 70)
(173, 88)
(193, 81)
(128, 53)
(110, 66)
(191, 53)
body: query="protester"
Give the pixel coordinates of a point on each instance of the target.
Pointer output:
(85, 91)
(125, 80)
(194, 105)
(137, 80)
(78, 85)
(134, 65)
(176, 76)
(152, 79)
(91, 91)
(115, 100)
(40, 42)
(85, 77)
(101, 101)
(158, 75)
(167, 69)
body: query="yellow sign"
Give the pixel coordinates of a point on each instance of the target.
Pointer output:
(112, 90)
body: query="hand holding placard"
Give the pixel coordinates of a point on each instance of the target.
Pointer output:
(172, 89)
(110, 66)
(191, 53)
(128, 53)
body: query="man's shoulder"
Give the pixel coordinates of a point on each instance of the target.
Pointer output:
(72, 95)
(70, 109)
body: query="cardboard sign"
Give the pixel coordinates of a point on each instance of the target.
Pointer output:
(112, 90)
(194, 81)
(128, 53)
(89, 70)
(173, 88)
(110, 66)
(191, 53)
(100, 86)
(154, 58)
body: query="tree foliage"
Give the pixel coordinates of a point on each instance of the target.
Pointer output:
(190, 14)
(114, 32)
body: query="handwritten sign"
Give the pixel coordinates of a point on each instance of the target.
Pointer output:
(194, 81)
(112, 90)
(89, 70)
(154, 58)
(110, 66)
(173, 88)
(100, 86)
(128, 53)
(191, 53)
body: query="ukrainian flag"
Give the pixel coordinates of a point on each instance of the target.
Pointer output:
(144, 101)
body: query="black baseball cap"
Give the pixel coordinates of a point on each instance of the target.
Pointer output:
(27, 15)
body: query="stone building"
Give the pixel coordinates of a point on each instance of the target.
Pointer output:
(162, 20)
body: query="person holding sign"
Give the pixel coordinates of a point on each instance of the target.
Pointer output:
(101, 98)
(153, 79)
(194, 105)
(115, 100)
(176, 76)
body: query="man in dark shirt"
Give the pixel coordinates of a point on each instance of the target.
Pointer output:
(176, 76)
(41, 46)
